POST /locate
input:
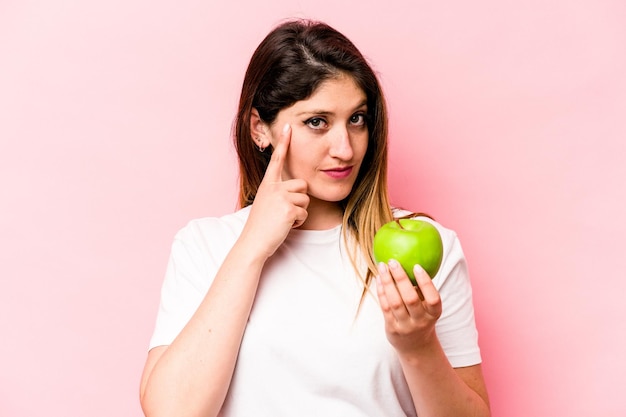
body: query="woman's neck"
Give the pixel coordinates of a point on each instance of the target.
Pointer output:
(322, 215)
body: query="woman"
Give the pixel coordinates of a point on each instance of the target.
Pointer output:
(279, 309)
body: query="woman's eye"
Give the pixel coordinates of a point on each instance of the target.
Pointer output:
(358, 119)
(315, 122)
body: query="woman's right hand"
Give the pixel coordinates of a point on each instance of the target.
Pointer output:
(279, 205)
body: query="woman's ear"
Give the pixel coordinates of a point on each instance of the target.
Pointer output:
(258, 130)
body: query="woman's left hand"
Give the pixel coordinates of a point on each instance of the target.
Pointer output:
(410, 311)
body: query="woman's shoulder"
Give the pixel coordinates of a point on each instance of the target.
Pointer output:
(213, 228)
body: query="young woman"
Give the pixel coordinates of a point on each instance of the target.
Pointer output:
(279, 309)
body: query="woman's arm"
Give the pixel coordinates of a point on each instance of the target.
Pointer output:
(191, 377)
(437, 389)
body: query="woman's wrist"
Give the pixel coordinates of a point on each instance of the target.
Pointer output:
(424, 353)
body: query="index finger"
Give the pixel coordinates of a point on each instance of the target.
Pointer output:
(274, 169)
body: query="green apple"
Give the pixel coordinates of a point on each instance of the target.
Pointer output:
(410, 242)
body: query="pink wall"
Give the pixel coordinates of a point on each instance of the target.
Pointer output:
(508, 125)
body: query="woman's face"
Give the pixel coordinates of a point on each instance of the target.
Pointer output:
(329, 138)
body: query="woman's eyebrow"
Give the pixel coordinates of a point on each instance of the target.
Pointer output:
(320, 112)
(328, 112)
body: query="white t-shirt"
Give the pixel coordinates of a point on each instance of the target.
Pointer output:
(305, 352)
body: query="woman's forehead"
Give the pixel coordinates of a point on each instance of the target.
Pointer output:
(334, 95)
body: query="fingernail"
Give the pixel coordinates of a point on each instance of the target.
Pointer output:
(393, 264)
(286, 128)
(382, 268)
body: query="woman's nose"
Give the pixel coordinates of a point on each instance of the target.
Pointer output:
(341, 146)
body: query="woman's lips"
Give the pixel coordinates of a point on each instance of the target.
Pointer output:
(338, 173)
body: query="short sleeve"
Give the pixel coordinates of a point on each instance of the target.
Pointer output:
(183, 289)
(456, 328)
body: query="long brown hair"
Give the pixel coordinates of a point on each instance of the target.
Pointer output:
(287, 66)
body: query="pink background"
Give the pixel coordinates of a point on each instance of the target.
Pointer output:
(507, 124)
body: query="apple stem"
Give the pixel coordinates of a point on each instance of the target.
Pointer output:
(399, 224)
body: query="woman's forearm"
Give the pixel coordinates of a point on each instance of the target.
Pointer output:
(191, 377)
(438, 390)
